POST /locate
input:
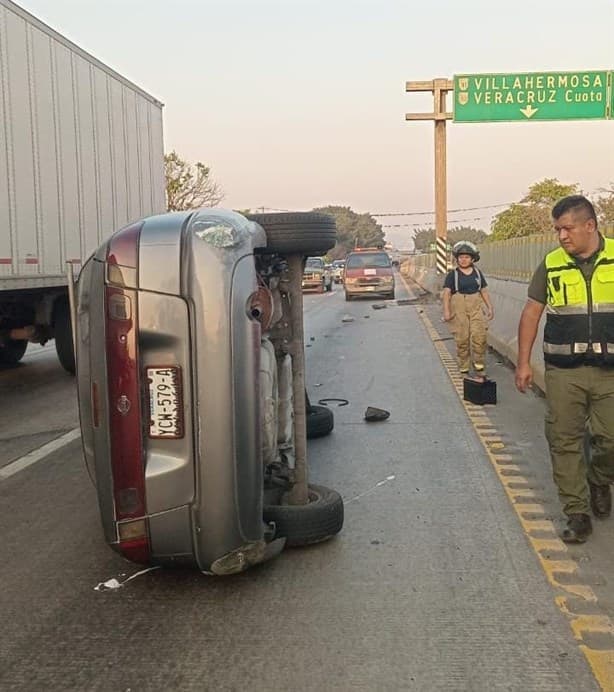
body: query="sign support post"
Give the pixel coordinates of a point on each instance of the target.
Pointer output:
(439, 88)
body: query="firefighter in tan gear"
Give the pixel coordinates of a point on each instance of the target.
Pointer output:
(575, 284)
(465, 298)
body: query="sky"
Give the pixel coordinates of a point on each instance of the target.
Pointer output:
(296, 104)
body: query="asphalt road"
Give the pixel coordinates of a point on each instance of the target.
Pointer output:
(432, 585)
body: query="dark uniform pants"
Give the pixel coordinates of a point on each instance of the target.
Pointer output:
(574, 396)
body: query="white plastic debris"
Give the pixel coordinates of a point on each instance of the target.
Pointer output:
(370, 490)
(111, 584)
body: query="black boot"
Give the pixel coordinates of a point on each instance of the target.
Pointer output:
(601, 500)
(578, 528)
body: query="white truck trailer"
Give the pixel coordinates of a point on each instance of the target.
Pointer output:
(81, 155)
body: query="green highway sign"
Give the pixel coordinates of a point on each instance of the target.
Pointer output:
(532, 96)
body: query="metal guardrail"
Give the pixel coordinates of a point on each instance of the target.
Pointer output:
(515, 259)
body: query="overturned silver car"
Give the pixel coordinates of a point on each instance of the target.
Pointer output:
(190, 370)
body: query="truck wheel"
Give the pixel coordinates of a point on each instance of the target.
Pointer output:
(12, 351)
(63, 335)
(298, 233)
(320, 422)
(320, 519)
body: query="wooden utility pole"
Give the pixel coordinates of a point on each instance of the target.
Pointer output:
(439, 88)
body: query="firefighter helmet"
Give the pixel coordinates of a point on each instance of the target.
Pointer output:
(465, 247)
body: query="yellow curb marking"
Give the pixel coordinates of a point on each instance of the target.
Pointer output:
(538, 525)
(600, 661)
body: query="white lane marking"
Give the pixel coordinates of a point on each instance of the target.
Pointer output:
(375, 487)
(111, 584)
(38, 454)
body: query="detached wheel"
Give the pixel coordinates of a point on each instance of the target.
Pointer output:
(63, 335)
(298, 233)
(12, 351)
(319, 520)
(320, 422)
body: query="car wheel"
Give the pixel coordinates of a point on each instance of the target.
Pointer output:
(63, 335)
(320, 519)
(348, 297)
(320, 421)
(391, 295)
(12, 351)
(306, 233)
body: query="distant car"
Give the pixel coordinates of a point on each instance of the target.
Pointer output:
(338, 266)
(368, 272)
(316, 276)
(190, 399)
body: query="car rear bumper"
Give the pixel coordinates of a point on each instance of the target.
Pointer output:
(370, 289)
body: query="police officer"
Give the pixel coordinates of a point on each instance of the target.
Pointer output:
(575, 283)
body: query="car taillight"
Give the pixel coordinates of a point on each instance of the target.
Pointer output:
(123, 385)
(123, 256)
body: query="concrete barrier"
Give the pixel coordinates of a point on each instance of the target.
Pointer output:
(508, 298)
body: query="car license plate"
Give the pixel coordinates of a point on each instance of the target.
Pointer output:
(165, 403)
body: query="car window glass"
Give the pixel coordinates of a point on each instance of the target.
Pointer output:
(375, 259)
(314, 262)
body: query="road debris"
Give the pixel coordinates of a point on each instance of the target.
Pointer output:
(373, 414)
(347, 318)
(112, 584)
(370, 490)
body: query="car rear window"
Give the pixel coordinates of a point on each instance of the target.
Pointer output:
(367, 259)
(314, 262)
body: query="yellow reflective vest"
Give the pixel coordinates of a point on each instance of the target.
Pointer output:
(580, 311)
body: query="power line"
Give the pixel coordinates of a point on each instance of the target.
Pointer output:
(418, 225)
(425, 213)
(403, 213)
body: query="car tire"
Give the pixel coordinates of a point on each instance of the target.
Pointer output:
(305, 233)
(13, 351)
(63, 335)
(348, 297)
(320, 421)
(391, 295)
(320, 519)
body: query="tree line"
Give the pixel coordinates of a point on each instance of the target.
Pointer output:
(189, 186)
